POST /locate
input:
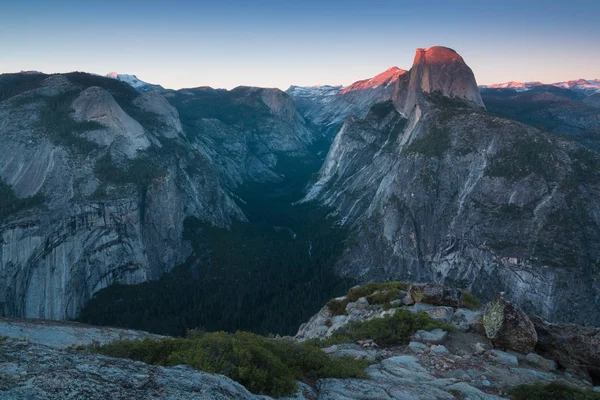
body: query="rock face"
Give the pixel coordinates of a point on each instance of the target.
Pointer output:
(572, 346)
(31, 371)
(437, 295)
(328, 106)
(62, 335)
(435, 189)
(157, 104)
(246, 132)
(95, 104)
(508, 327)
(106, 212)
(437, 69)
(115, 173)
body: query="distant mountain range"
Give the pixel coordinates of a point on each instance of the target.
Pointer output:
(586, 86)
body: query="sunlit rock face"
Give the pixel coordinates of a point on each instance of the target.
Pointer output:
(328, 106)
(437, 69)
(434, 189)
(92, 227)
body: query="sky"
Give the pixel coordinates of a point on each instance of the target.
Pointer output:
(271, 43)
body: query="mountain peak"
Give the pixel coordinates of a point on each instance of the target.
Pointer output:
(438, 54)
(386, 78)
(437, 69)
(135, 82)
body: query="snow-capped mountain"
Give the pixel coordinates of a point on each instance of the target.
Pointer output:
(585, 86)
(519, 86)
(582, 85)
(135, 82)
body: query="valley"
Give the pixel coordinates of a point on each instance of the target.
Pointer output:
(131, 205)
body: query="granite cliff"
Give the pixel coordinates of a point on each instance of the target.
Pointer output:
(99, 178)
(436, 189)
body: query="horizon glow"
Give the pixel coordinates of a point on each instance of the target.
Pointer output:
(270, 43)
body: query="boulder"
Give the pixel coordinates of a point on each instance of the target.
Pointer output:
(468, 320)
(508, 327)
(443, 314)
(502, 357)
(436, 294)
(358, 307)
(408, 300)
(436, 336)
(541, 362)
(418, 347)
(572, 346)
(479, 348)
(440, 349)
(397, 303)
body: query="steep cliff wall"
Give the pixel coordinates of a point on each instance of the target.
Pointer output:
(111, 193)
(453, 194)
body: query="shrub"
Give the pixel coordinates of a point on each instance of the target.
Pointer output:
(375, 292)
(552, 391)
(337, 307)
(470, 301)
(389, 331)
(262, 365)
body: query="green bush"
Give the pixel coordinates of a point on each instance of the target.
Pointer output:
(337, 307)
(552, 391)
(389, 331)
(382, 293)
(262, 365)
(470, 301)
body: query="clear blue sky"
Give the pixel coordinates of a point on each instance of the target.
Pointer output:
(278, 43)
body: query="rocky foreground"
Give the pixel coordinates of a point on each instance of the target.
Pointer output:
(475, 358)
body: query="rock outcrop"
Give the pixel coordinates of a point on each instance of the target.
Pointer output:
(32, 371)
(508, 327)
(572, 346)
(436, 295)
(95, 104)
(63, 335)
(157, 104)
(438, 190)
(437, 69)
